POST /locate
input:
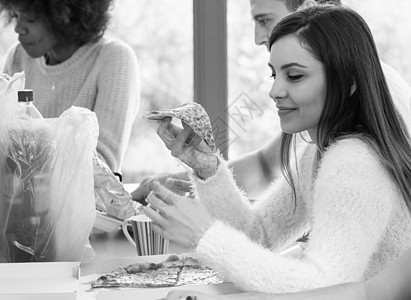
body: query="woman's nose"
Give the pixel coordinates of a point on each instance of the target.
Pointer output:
(278, 90)
(19, 28)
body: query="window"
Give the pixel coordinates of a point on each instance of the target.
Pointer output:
(390, 25)
(161, 34)
(252, 117)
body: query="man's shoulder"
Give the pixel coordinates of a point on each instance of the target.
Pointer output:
(390, 72)
(400, 92)
(398, 86)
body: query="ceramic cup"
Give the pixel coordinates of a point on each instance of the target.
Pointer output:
(145, 240)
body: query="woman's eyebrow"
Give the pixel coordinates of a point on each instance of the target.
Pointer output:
(283, 67)
(293, 64)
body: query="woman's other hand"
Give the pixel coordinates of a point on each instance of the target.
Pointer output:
(180, 219)
(187, 146)
(178, 183)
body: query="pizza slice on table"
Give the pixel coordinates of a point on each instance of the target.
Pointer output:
(191, 113)
(150, 278)
(174, 271)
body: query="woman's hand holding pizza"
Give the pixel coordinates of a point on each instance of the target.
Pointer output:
(179, 219)
(187, 146)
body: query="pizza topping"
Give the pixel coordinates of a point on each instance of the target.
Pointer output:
(173, 257)
(198, 275)
(135, 268)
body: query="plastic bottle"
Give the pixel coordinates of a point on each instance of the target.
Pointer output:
(26, 106)
(29, 166)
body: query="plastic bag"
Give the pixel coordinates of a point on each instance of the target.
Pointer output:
(47, 202)
(111, 197)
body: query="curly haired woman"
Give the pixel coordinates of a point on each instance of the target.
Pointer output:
(68, 61)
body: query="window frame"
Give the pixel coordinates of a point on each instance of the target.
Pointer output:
(210, 65)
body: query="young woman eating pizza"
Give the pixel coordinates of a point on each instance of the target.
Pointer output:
(348, 185)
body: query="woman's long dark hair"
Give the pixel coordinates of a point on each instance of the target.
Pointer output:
(340, 39)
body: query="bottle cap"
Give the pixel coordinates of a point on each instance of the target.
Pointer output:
(25, 95)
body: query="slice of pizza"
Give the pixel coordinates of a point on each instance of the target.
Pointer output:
(191, 113)
(143, 275)
(193, 275)
(174, 271)
(161, 277)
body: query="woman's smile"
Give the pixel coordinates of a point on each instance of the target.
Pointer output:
(284, 111)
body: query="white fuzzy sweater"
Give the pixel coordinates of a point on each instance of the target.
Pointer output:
(357, 217)
(101, 76)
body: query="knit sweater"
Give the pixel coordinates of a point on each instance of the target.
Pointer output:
(356, 214)
(101, 76)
